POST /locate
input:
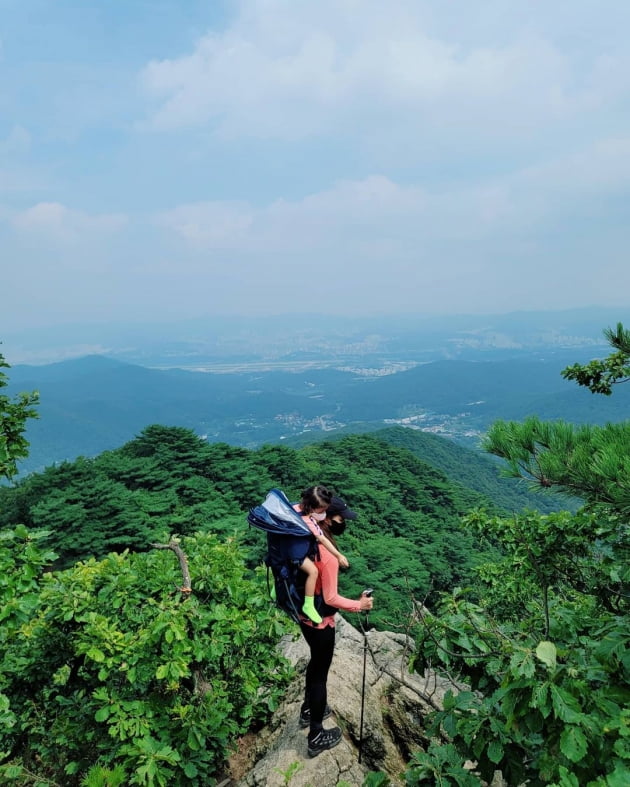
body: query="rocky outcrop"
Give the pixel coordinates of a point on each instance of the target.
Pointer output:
(396, 704)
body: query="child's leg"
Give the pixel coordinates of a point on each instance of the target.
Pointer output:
(308, 608)
(310, 569)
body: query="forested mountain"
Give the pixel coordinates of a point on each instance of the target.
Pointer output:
(93, 404)
(466, 469)
(406, 541)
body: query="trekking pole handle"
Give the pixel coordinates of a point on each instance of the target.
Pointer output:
(368, 592)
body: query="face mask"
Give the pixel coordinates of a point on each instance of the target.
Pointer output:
(319, 517)
(337, 528)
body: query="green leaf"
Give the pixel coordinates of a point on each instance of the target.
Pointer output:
(573, 744)
(546, 652)
(540, 699)
(190, 770)
(449, 700)
(13, 771)
(567, 779)
(620, 777)
(194, 741)
(495, 752)
(102, 714)
(373, 779)
(162, 671)
(565, 705)
(522, 665)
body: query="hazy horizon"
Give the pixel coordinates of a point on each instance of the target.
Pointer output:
(384, 335)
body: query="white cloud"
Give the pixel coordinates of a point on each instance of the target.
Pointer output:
(209, 224)
(602, 167)
(347, 214)
(367, 213)
(529, 238)
(55, 221)
(444, 154)
(291, 69)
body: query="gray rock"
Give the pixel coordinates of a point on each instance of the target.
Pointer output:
(396, 703)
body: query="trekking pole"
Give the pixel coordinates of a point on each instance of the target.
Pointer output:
(367, 592)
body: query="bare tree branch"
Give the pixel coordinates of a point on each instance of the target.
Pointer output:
(183, 563)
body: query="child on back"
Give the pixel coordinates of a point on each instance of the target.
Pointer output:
(312, 508)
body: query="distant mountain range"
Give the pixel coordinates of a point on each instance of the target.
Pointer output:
(96, 403)
(291, 340)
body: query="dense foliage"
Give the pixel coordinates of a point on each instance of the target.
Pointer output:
(470, 470)
(544, 651)
(408, 535)
(14, 413)
(112, 675)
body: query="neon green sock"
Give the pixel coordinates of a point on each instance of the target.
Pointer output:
(309, 609)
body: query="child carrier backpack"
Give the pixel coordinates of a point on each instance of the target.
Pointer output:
(289, 541)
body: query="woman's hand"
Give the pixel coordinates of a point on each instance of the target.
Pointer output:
(366, 603)
(343, 561)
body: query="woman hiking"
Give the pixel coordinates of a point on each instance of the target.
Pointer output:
(312, 508)
(320, 637)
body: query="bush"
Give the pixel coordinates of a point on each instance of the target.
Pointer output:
(108, 668)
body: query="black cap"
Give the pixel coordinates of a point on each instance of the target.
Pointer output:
(338, 507)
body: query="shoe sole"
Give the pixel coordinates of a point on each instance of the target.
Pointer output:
(316, 752)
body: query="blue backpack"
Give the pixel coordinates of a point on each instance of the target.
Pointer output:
(289, 541)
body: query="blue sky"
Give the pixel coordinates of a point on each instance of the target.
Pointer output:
(169, 159)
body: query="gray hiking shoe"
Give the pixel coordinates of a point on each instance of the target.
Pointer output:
(305, 716)
(322, 740)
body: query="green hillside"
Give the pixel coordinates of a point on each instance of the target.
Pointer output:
(465, 468)
(473, 470)
(407, 539)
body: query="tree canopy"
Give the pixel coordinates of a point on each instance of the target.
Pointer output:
(543, 647)
(408, 535)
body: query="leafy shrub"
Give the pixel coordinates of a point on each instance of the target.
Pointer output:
(108, 668)
(545, 650)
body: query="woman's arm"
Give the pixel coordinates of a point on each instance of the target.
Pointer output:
(328, 568)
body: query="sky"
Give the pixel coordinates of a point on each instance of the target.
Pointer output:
(164, 159)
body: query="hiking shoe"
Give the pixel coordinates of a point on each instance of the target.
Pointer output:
(322, 740)
(305, 716)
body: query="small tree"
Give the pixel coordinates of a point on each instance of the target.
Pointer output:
(13, 416)
(543, 646)
(118, 672)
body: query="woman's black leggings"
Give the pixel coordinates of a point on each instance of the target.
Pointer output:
(322, 645)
